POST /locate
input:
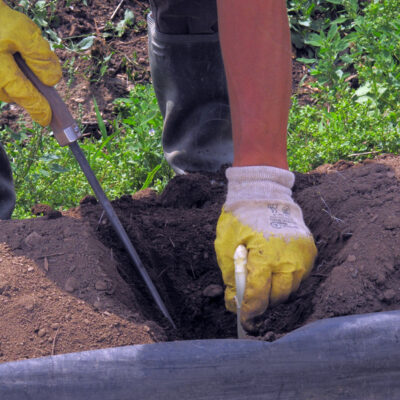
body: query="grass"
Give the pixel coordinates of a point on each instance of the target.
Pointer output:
(354, 60)
(352, 51)
(350, 131)
(127, 160)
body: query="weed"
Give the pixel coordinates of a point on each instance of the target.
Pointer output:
(42, 12)
(120, 28)
(69, 67)
(126, 158)
(356, 65)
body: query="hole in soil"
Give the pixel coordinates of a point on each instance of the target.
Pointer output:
(174, 237)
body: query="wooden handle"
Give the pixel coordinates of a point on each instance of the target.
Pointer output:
(64, 127)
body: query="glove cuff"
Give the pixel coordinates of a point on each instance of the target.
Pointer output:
(258, 183)
(261, 173)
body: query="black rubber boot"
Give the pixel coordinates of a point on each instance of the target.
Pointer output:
(190, 85)
(7, 194)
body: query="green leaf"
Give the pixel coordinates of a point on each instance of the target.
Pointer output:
(49, 157)
(85, 44)
(125, 23)
(307, 60)
(58, 168)
(332, 31)
(364, 99)
(315, 40)
(103, 144)
(363, 90)
(150, 177)
(100, 121)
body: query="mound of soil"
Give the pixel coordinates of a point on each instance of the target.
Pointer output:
(66, 283)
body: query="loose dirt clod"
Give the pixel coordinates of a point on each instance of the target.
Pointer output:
(357, 258)
(100, 285)
(71, 285)
(213, 291)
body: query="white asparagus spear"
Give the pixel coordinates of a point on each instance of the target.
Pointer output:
(240, 260)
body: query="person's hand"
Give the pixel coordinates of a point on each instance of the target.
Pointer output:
(260, 214)
(19, 34)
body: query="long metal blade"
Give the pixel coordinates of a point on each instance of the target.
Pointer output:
(119, 229)
(66, 131)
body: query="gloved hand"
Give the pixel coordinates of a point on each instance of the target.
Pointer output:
(260, 214)
(19, 34)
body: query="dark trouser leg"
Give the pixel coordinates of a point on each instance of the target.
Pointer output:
(7, 194)
(189, 81)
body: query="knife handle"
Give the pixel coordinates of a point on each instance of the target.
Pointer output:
(64, 127)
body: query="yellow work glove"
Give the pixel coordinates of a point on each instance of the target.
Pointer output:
(260, 214)
(19, 34)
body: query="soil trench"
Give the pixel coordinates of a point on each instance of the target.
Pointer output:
(66, 283)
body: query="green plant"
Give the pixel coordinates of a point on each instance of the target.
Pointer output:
(42, 12)
(311, 16)
(84, 44)
(355, 64)
(120, 28)
(126, 158)
(330, 61)
(376, 44)
(69, 67)
(350, 131)
(125, 23)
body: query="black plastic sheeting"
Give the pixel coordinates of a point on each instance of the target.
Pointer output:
(353, 357)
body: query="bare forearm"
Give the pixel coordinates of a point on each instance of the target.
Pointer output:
(255, 42)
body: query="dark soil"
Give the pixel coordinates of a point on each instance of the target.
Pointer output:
(352, 211)
(71, 272)
(67, 285)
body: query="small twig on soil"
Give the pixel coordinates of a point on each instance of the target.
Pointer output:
(116, 10)
(51, 255)
(46, 264)
(336, 219)
(140, 4)
(365, 153)
(99, 222)
(191, 267)
(159, 275)
(328, 211)
(173, 244)
(340, 174)
(135, 40)
(54, 342)
(349, 78)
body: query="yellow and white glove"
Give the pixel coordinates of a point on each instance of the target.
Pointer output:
(19, 34)
(260, 214)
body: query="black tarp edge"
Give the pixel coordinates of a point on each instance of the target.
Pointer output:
(352, 357)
